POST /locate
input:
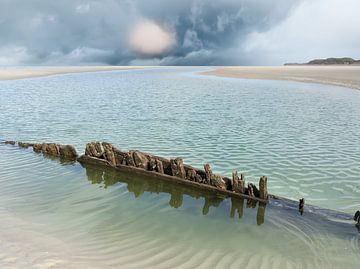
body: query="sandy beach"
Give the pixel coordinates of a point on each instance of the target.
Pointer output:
(346, 76)
(12, 73)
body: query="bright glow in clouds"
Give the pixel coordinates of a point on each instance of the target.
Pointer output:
(149, 38)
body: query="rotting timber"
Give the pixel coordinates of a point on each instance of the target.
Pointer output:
(171, 170)
(103, 156)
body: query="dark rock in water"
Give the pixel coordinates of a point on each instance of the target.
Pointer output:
(140, 159)
(68, 151)
(109, 153)
(301, 205)
(10, 142)
(37, 147)
(177, 168)
(129, 159)
(208, 173)
(263, 187)
(159, 166)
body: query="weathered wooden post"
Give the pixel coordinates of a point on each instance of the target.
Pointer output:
(177, 168)
(263, 187)
(241, 183)
(238, 184)
(159, 166)
(140, 159)
(108, 153)
(301, 205)
(260, 217)
(191, 175)
(234, 182)
(208, 173)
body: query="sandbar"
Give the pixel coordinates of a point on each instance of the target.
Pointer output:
(345, 76)
(11, 73)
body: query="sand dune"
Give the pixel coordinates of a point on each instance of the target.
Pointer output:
(346, 76)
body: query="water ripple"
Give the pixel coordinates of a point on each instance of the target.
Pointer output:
(299, 135)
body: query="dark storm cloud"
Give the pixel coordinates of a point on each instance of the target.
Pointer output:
(96, 32)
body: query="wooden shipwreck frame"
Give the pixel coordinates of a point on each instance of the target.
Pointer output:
(145, 164)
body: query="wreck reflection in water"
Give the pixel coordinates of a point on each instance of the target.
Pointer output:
(138, 185)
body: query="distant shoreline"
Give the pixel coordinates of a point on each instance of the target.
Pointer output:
(344, 76)
(338, 75)
(30, 72)
(330, 61)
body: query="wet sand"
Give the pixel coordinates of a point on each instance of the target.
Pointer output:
(10, 73)
(346, 76)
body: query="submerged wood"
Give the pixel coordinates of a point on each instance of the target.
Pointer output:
(263, 187)
(174, 170)
(301, 205)
(171, 170)
(51, 149)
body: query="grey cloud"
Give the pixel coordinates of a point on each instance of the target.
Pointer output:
(95, 32)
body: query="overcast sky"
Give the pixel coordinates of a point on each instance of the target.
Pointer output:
(177, 32)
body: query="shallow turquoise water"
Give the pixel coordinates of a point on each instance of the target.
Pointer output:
(304, 137)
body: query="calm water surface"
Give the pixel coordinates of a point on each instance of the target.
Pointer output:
(304, 137)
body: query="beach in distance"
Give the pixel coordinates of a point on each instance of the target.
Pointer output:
(11, 73)
(339, 75)
(345, 76)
